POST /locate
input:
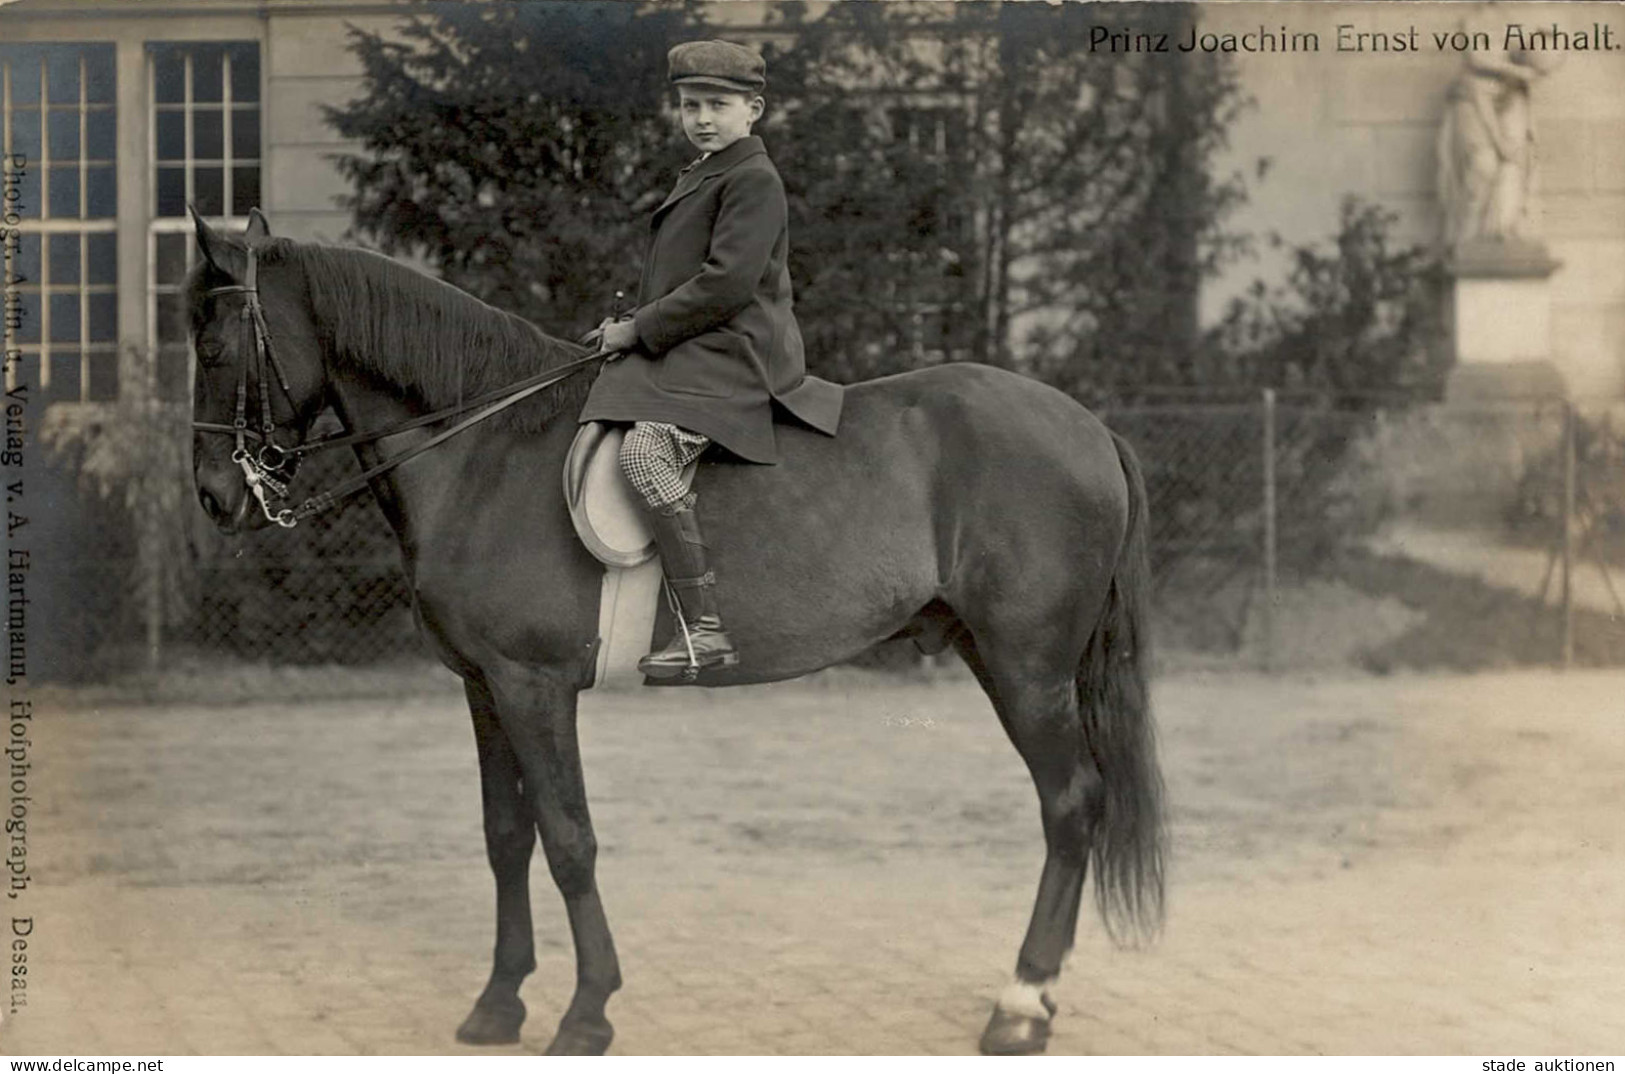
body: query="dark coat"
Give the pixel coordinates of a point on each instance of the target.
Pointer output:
(718, 340)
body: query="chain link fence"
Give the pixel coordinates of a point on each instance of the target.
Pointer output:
(1291, 532)
(329, 591)
(1286, 532)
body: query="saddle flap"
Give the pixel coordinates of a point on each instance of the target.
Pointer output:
(607, 512)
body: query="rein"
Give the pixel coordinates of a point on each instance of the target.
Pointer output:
(271, 468)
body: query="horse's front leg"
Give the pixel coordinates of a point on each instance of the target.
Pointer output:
(510, 833)
(538, 711)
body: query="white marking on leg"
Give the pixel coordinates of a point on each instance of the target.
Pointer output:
(1026, 998)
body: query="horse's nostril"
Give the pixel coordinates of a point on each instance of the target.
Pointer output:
(211, 506)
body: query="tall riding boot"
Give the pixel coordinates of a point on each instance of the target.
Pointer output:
(703, 644)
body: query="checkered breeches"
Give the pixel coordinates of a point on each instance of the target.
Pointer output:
(653, 454)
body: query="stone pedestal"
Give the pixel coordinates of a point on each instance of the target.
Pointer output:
(1502, 321)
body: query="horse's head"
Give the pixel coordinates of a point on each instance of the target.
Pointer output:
(260, 376)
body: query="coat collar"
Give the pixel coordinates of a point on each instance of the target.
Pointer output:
(715, 164)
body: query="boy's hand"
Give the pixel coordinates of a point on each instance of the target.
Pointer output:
(611, 337)
(618, 335)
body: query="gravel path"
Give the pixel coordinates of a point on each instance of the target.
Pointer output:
(1414, 864)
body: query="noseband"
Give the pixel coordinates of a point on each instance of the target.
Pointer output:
(269, 468)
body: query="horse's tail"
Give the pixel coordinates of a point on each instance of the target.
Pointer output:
(1114, 697)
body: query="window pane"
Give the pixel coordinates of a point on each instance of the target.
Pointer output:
(169, 77)
(100, 80)
(208, 142)
(171, 192)
(28, 192)
(25, 133)
(245, 133)
(64, 134)
(206, 73)
(65, 191)
(102, 257)
(209, 190)
(171, 135)
(64, 386)
(64, 318)
(172, 373)
(25, 78)
(101, 134)
(101, 193)
(29, 264)
(245, 72)
(29, 332)
(245, 190)
(171, 320)
(103, 386)
(171, 258)
(64, 260)
(103, 318)
(62, 67)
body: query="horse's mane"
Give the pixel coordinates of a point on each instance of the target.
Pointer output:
(437, 344)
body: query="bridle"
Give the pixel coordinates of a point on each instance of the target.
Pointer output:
(268, 468)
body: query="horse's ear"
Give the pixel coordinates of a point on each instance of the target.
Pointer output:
(216, 249)
(259, 229)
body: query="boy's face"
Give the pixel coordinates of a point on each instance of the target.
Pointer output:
(715, 118)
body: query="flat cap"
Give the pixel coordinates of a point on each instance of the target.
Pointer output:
(718, 63)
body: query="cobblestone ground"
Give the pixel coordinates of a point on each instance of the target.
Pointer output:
(1426, 864)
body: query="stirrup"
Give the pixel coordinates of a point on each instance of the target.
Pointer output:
(688, 672)
(654, 666)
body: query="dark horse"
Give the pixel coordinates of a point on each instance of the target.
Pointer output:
(960, 505)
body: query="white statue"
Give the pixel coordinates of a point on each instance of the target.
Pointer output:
(1486, 148)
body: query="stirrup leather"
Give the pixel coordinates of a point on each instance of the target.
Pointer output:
(672, 586)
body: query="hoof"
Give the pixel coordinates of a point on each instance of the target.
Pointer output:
(582, 1040)
(1016, 1034)
(493, 1022)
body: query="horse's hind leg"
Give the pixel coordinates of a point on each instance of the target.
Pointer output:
(510, 834)
(1040, 713)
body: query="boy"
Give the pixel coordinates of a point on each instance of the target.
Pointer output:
(713, 343)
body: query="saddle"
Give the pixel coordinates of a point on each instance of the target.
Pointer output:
(609, 518)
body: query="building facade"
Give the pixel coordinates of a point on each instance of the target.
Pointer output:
(1360, 114)
(119, 115)
(127, 111)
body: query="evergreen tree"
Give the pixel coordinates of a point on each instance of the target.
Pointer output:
(1000, 189)
(966, 181)
(518, 148)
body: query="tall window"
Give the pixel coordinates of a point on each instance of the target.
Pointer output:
(206, 153)
(60, 119)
